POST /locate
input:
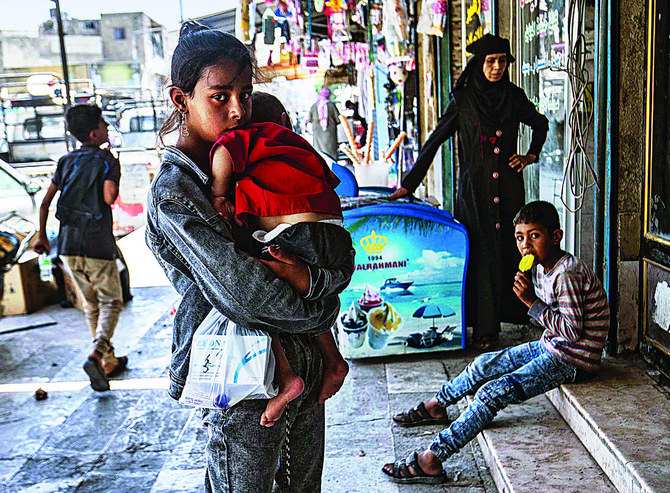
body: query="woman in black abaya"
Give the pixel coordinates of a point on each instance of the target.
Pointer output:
(486, 109)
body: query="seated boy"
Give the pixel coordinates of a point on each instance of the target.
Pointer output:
(571, 307)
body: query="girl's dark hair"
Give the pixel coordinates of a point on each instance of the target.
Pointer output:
(200, 47)
(539, 212)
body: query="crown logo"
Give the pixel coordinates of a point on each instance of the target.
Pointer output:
(373, 243)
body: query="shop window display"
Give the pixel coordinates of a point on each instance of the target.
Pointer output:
(659, 171)
(541, 47)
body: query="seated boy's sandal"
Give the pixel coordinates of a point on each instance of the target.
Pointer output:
(402, 474)
(419, 416)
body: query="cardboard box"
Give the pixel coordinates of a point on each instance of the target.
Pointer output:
(24, 291)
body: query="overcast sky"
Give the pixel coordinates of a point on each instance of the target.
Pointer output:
(29, 14)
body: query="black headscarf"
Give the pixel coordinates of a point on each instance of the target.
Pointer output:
(493, 100)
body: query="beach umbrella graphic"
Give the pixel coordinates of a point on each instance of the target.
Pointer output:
(433, 311)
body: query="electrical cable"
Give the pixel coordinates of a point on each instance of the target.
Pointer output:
(578, 172)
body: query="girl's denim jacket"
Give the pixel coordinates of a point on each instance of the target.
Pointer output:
(196, 248)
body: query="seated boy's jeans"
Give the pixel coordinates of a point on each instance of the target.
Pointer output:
(497, 379)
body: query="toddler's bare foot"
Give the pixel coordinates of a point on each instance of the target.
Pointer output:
(290, 388)
(333, 378)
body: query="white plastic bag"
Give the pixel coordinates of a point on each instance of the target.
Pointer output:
(228, 363)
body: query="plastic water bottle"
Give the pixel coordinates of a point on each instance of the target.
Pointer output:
(44, 261)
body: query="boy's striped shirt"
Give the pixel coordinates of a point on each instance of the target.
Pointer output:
(574, 312)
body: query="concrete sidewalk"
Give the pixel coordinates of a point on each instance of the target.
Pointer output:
(134, 438)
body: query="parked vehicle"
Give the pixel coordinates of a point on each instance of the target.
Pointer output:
(138, 126)
(17, 192)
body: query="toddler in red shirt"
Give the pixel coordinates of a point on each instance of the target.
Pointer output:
(272, 181)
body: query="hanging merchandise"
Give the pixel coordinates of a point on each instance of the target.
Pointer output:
(334, 6)
(358, 13)
(269, 23)
(395, 27)
(281, 15)
(244, 21)
(319, 5)
(309, 58)
(433, 17)
(337, 26)
(392, 104)
(337, 54)
(361, 56)
(397, 73)
(324, 54)
(376, 18)
(337, 20)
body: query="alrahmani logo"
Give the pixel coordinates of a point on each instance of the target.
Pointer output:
(374, 243)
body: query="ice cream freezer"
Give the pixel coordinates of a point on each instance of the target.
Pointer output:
(407, 292)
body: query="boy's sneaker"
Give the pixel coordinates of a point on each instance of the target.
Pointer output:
(99, 380)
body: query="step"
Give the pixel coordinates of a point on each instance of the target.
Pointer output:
(529, 448)
(623, 418)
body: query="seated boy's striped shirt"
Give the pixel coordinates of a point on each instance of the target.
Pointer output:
(574, 312)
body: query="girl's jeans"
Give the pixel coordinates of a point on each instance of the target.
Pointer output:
(497, 379)
(245, 457)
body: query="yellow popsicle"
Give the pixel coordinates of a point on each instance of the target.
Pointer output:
(526, 262)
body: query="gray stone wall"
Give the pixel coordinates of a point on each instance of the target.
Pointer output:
(630, 145)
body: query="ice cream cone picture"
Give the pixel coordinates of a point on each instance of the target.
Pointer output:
(383, 320)
(354, 323)
(369, 299)
(527, 262)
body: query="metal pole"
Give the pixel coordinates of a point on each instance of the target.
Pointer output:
(601, 94)
(63, 61)
(309, 23)
(63, 56)
(181, 13)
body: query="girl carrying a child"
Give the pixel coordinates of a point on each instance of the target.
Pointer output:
(211, 90)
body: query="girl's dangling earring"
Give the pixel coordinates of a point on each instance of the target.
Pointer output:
(183, 129)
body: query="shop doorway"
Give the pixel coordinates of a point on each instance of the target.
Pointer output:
(655, 343)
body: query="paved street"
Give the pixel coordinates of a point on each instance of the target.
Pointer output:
(134, 438)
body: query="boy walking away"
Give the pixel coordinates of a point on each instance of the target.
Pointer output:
(88, 181)
(571, 307)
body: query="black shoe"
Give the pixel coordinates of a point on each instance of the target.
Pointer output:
(99, 380)
(120, 368)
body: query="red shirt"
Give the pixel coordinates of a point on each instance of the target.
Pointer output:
(278, 172)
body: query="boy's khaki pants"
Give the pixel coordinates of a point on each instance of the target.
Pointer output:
(100, 285)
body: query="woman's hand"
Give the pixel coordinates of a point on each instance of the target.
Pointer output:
(523, 288)
(290, 269)
(400, 192)
(520, 162)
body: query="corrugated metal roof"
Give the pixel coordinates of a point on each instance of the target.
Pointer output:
(224, 21)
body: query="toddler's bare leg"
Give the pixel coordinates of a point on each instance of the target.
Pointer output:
(290, 385)
(335, 369)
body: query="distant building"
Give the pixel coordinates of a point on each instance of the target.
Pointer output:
(116, 51)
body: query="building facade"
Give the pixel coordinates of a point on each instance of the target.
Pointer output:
(124, 50)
